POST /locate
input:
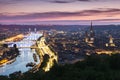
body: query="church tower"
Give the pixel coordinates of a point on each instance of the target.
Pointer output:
(111, 43)
(29, 30)
(92, 33)
(35, 30)
(89, 39)
(110, 40)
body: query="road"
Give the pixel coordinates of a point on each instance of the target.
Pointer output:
(14, 38)
(44, 49)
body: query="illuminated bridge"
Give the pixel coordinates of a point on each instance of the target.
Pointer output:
(27, 42)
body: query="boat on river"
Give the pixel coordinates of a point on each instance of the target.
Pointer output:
(35, 57)
(31, 64)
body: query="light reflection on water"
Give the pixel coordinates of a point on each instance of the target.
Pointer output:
(26, 56)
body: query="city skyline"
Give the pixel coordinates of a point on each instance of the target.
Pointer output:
(59, 12)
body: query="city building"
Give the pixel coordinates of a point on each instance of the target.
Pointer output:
(89, 38)
(111, 43)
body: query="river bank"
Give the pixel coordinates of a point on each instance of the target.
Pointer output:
(7, 62)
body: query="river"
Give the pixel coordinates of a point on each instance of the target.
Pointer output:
(26, 55)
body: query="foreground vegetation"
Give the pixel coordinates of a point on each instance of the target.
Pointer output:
(94, 67)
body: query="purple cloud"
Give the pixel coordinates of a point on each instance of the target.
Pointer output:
(7, 2)
(59, 1)
(53, 15)
(70, 1)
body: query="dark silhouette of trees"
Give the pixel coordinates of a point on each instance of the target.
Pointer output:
(5, 45)
(45, 60)
(94, 67)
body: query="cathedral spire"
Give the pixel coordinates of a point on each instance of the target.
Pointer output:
(89, 39)
(92, 34)
(91, 27)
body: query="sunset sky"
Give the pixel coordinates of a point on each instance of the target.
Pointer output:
(59, 11)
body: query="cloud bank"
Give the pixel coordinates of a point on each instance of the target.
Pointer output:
(108, 12)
